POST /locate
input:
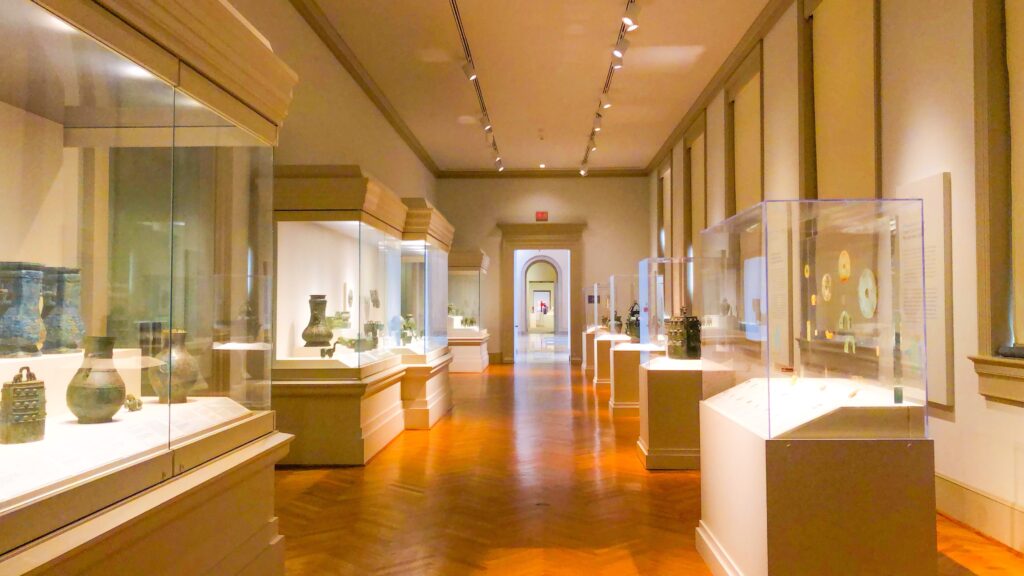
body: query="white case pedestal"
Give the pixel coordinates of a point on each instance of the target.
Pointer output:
(340, 422)
(670, 393)
(602, 355)
(426, 389)
(795, 507)
(625, 381)
(469, 354)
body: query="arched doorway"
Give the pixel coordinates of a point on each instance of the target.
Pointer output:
(542, 285)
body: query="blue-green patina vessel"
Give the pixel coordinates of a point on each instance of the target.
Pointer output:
(62, 290)
(21, 325)
(97, 391)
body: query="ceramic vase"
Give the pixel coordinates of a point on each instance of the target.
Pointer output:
(62, 289)
(21, 326)
(178, 371)
(96, 392)
(317, 333)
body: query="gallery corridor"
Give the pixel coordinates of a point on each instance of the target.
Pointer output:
(528, 475)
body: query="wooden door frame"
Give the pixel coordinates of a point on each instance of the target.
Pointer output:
(539, 236)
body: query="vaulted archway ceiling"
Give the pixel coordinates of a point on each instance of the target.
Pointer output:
(542, 64)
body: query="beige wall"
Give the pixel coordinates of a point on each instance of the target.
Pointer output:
(616, 211)
(331, 121)
(781, 109)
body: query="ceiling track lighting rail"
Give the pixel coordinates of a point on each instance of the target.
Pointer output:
(469, 69)
(630, 22)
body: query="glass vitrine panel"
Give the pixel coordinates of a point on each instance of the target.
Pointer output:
(817, 310)
(465, 317)
(437, 298)
(662, 294)
(623, 300)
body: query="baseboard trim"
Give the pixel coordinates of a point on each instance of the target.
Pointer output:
(624, 408)
(988, 514)
(713, 554)
(667, 459)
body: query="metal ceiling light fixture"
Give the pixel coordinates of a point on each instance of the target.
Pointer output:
(469, 68)
(628, 24)
(631, 15)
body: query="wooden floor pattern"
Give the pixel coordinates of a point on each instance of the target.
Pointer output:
(528, 475)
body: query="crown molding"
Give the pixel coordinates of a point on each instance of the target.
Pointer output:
(317, 20)
(764, 22)
(553, 173)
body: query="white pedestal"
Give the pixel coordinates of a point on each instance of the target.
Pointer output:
(215, 519)
(340, 422)
(794, 507)
(625, 371)
(670, 395)
(602, 355)
(469, 355)
(426, 391)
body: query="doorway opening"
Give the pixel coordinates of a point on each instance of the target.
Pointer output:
(542, 306)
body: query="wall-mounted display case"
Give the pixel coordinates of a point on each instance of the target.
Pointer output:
(814, 321)
(135, 274)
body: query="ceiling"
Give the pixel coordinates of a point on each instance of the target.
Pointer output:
(542, 65)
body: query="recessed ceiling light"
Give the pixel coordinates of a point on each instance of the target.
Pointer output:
(469, 70)
(620, 47)
(543, 165)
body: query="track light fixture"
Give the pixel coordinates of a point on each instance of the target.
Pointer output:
(606, 102)
(498, 164)
(631, 15)
(469, 70)
(620, 47)
(486, 123)
(616, 62)
(597, 123)
(583, 169)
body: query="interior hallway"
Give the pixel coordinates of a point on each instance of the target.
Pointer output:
(528, 475)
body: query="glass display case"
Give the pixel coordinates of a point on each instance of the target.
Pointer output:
(465, 309)
(345, 311)
(624, 305)
(135, 267)
(662, 294)
(817, 308)
(423, 327)
(591, 307)
(603, 305)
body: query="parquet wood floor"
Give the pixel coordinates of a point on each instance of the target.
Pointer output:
(529, 475)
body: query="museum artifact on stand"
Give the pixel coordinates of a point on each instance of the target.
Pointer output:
(467, 336)
(135, 269)
(816, 311)
(594, 298)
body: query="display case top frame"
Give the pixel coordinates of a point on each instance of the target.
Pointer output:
(204, 48)
(468, 259)
(424, 222)
(336, 193)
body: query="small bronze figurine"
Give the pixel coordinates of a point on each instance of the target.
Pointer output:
(683, 336)
(633, 321)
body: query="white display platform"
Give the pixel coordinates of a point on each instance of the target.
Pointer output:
(602, 355)
(71, 451)
(797, 506)
(469, 354)
(626, 359)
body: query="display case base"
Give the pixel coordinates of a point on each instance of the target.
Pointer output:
(339, 423)
(219, 517)
(626, 359)
(426, 392)
(670, 394)
(602, 355)
(469, 355)
(798, 507)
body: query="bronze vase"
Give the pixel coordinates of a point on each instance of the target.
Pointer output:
(317, 333)
(96, 392)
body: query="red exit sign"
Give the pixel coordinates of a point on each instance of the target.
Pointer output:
(541, 216)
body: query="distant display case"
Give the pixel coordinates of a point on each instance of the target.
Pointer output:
(135, 275)
(423, 326)
(814, 325)
(466, 271)
(818, 309)
(623, 296)
(339, 283)
(661, 294)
